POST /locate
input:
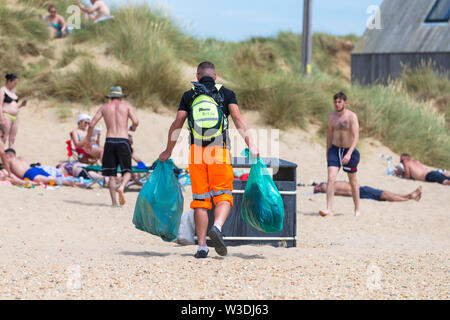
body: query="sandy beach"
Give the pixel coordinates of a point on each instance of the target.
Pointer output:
(70, 244)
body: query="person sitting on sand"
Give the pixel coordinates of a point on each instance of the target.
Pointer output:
(415, 170)
(139, 162)
(99, 7)
(82, 144)
(9, 109)
(22, 169)
(344, 189)
(56, 23)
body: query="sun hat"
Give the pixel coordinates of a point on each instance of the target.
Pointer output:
(84, 116)
(115, 92)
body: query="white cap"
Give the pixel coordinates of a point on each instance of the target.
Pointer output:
(84, 116)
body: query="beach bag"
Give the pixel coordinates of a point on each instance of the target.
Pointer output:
(159, 206)
(206, 121)
(262, 206)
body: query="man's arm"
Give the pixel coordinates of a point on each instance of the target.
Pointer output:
(329, 135)
(92, 9)
(94, 122)
(4, 160)
(407, 174)
(355, 132)
(174, 133)
(133, 118)
(243, 129)
(2, 97)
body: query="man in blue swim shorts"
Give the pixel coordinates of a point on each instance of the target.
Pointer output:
(342, 138)
(343, 188)
(415, 170)
(22, 169)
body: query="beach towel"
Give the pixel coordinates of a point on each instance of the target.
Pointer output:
(159, 206)
(262, 206)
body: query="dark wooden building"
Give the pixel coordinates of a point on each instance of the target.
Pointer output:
(412, 32)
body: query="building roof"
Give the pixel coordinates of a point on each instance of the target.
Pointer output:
(404, 30)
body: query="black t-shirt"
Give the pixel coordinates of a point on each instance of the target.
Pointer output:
(229, 98)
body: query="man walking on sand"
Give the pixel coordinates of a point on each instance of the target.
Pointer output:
(207, 107)
(342, 138)
(117, 149)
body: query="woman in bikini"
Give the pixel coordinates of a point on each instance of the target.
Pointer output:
(9, 109)
(56, 23)
(79, 139)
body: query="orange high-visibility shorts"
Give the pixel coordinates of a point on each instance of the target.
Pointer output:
(211, 176)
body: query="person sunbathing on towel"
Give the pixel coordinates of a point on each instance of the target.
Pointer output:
(415, 170)
(22, 169)
(342, 188)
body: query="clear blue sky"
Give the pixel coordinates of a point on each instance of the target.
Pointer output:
(235, 20)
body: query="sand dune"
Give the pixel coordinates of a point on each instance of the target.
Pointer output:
(70, 244)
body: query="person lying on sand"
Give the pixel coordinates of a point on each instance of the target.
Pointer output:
(342, 188)
(11, 179)
(22, 169)
(415, 170)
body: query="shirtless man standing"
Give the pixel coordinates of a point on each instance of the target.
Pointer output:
(342, 138)
(117, 149)
(415, 170)
(98, 6)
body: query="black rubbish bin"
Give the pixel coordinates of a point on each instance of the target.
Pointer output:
(238, 232)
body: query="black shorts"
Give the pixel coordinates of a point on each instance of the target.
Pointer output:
(117, 152)
(436, 176)
(335, 156)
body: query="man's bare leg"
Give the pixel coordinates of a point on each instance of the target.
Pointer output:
(121, 190)
(332, 173)
(393, 197)
(201, 225)
(112, 190)
(355, 191)
(221, 212)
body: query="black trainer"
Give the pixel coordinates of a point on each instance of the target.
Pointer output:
(217, 239)
(201, 254)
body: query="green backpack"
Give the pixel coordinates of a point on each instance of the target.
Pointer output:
(207, 121)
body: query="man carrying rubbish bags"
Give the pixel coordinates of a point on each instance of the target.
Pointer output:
(207, 107)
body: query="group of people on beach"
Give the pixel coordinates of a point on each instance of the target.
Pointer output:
(210, 167)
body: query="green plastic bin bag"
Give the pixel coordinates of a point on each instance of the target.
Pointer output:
(159, 206)
(262, 205)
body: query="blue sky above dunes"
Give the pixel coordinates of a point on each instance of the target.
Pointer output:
(235, 20)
